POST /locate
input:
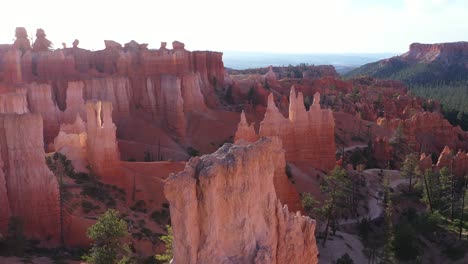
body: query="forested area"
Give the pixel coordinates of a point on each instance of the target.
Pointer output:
(452, 95)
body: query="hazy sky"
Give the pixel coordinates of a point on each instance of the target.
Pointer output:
(297, 26)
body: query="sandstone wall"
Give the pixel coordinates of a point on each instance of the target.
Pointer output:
(103, 152)
(224, 209)
(31, 187)
(307, 136)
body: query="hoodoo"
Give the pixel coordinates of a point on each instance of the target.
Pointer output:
(224, 209)
(308, 136)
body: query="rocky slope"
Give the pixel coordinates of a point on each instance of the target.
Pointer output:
(224, 209)
(422, 64)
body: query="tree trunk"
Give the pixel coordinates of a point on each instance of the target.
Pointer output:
(410, 182)
(428, 193)
(462, 209)
(329, 215)
(452, 197)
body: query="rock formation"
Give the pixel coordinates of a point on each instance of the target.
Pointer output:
(14, 102)
(103, 152)
(40, 99)
(22, 42)
(308, 136)
(457, 164)
(224, 209)
(41, 43)
(72, 142)
(445, 52)
(429, 132)
(31, 188)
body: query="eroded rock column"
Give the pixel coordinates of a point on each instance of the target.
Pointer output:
(224, 209)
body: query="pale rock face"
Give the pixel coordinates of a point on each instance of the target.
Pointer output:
(191, 93)
(114, 89)
(71, 141)
(14, 102)
(31, 187)
(245, 131)
(40, 101)
(4, 204)
(12, 66)
(224, 209)
(75, 102)
(308, 136)
(270, 76)
(103, 152)
(165, 96)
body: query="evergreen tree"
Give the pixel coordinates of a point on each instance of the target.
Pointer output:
(108, 233)
(410, 169)
(168, 241)
(388, 255)
(335, 186)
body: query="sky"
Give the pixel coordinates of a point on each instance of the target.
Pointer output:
(293, 26)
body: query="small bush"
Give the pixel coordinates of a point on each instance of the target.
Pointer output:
(193, 152)
(88, 206)
(345, 259)
(160, 217)
(139, 206)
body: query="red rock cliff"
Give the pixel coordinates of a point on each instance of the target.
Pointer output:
(31, 188)
(224, 208)
(103, 152)
(308, 136)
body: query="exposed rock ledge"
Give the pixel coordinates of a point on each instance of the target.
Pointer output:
(224, 209)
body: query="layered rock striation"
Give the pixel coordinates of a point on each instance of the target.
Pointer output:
(224, 209)
(103, 152)
(308, 136)
(31, 189)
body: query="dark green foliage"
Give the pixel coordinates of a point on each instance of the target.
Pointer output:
(447, 84)
(139, 206)
(91, 186)
(405, 243)
(88, 206)
(167, 240)
(108, 233)
(345, 259)
(15, 243)
(456, 251)
(193, 152)
(335, 185)
(160, 217)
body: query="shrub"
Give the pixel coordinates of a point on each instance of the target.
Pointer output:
(107, 234)
(139, 206)
(167, 240)
(160, 217)
(193, 152)
(88, 206)
(405, 243)
(345, 259)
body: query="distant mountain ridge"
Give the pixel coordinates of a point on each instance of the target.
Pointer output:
(343, 63)
(436, 71)
(423, 64)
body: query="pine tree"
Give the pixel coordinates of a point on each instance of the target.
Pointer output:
(410, 169)
(388, 254)
(108, 233)
(334, 185)
(168, 241)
